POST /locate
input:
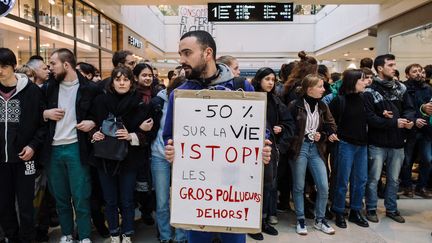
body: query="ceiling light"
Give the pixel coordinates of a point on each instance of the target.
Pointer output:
(17, 47)
(84, 20)
(91, 26)
(366, 49)
(69, 15)
(352, 66)
(52, 2)
(345, 54)
(334, 60)
(21, 38)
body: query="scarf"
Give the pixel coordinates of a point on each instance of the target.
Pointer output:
(146, 93)
(391, 90)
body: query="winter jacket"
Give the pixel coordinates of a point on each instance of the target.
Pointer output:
(382, 131)
(225, 81)
(160, 103)
(21, 120)
(326, 127)
(420, 93)
(87, 91)
(132, 112)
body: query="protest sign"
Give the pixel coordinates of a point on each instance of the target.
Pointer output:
(217, 169)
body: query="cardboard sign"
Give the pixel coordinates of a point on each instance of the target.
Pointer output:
(217, 170)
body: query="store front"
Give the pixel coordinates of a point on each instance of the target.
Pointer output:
(41, 26)
(131, 41)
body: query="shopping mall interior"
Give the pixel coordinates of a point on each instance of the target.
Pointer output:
(338, 33)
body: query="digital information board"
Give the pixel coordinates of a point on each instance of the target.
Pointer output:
(247, 12)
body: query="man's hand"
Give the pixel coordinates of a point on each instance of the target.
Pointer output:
(401, 122)
(85, 125)
(26, 154)
(427, 108)
(55, 114)
(317, 136)
(332, 138)
(420, 122)
(146, 125)
(266, 152)
(169, 151)
(409, 125)
(277, 129)
(388, 114)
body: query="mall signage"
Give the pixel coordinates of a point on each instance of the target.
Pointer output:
(217, 173)
(6, 6)
(250, 12)
(135, 42)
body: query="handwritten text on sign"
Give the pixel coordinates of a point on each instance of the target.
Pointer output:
(217, 171)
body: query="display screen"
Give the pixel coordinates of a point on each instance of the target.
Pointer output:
(245, 12)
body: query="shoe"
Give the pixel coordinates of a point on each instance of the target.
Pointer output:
(66, 239)
(257, 236)
(273, 220)
(268, 229)
(115, 239)
(301, 228)
(324, 226)
(126, 239)
(423, 193)
(407, 192)
(357, 218)
(372, 216)
(86, 240)
(340, 221)
(395, 216)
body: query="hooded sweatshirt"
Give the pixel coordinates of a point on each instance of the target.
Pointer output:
(21, 121)
(224, 80)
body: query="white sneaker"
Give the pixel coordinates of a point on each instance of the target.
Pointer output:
(126, 239)
(273, 220)
(115, 239)
(66, 239)
(86, 240)
(301, 228)
(324, 226)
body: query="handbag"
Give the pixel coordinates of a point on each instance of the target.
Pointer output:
(111, 147)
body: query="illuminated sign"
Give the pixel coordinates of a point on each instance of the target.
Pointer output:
(244, 12)
(135, 42)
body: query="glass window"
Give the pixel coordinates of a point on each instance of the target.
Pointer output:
(87, 22)
(107, 66)
(50, 41)
(27, 9)
(51, 14)
(68, 17)
(18, 37)
(87, 54)
(108, 32)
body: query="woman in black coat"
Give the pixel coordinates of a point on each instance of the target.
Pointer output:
(118, 177)
(279, 127)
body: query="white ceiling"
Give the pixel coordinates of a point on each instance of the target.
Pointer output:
(204, 2)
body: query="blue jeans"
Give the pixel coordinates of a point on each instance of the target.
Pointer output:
(412, 142)
(112, 186)
(351, 167)
(207, 237)
(309, 158)
(161, 172)
(393, 159)
(426, 159)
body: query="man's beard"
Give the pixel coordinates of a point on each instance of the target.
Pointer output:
(196, 72)
(60, 76)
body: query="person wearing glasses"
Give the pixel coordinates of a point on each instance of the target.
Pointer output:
(122, 57)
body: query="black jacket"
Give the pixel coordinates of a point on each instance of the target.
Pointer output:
(21, 121)
(87, 91)
(382, 131)
(132, 112)
(420, 93)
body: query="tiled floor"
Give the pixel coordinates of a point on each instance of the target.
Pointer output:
(417, 229)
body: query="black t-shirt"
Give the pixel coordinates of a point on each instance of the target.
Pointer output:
(6, 89)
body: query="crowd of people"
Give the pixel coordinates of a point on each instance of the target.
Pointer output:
(79, 151)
